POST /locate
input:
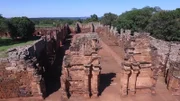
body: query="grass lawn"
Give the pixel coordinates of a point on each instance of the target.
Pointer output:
(44, 25)
(6, 43)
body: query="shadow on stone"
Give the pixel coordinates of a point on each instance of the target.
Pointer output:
(105, 81)
(53, 72)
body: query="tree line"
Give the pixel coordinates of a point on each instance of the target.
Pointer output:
(23, 27)
(17, 27)
(53, 22)
(161, 24)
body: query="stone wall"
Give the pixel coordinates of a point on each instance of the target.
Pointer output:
(24, 72)
(81, 66)
(85, 28)
(139, 70)
(18, 76)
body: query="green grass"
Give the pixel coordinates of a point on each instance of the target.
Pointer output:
(7, 43)
(44, 25)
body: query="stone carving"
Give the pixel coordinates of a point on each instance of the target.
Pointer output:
(81, 66)
(138, 70)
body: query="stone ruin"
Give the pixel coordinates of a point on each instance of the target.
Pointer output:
(81, 66)
(169, 58)
(18, 75)
(23, 73)
(145, 59)
(84, 28)
(138, 68)
(173, 78)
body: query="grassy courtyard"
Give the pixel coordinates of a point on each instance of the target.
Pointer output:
(7, 43)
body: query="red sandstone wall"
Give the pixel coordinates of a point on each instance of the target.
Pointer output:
(59, 33)
(15, 84)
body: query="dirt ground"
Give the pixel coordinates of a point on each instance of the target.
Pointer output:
(111, 58)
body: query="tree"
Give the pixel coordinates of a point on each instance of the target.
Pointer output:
(109, 19)
(3, 24)
(21, 27)
(165, 25)
(93, 18)
(136, 19)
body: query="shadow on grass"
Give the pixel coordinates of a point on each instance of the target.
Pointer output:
(9, 41)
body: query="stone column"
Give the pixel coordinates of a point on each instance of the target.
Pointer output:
(35, 86)
(63, 80)
(43, 87)
(86, 80)
(155, 73)
(171, 82)
(132, 81)
(95, 81)
(124, 82)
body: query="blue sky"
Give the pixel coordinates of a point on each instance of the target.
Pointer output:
(77, 8)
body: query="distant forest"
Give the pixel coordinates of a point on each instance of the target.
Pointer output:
(56, 21)
(162, 24)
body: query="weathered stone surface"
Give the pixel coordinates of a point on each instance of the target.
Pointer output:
(138, 62)
(173, 78)
(18, 76)
(149, 53)
(81, 66)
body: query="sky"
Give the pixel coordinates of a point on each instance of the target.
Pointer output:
(77, 8)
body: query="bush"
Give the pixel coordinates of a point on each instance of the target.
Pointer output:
(165, 25)
(3, 24)
(21, 27)
(109, 19)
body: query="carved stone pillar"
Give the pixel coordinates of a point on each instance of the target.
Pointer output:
(132, 81)
(43, 87)
(124, 82)
(95, 81)
(155, 73)
(36, 91)
(63, 83)
(86, 80)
